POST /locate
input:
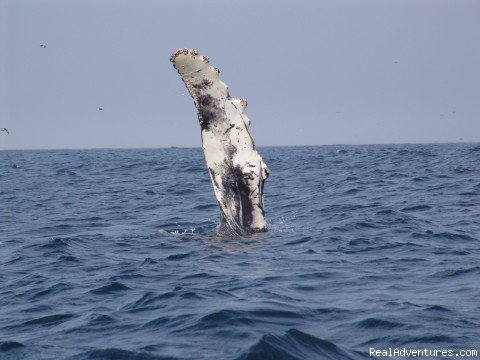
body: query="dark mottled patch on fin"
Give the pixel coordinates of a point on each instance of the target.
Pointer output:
(208, 111)
(203, 84)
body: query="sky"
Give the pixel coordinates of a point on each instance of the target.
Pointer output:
(313, 72)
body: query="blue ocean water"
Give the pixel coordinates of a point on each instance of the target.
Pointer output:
(113, 254)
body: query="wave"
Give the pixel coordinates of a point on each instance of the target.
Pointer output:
(110, 288)
(374, 323)
(54, 289)
(178, 256)
(416, 208)
(297, 345)
(50, 320)
(437, 308)
(10, 345)
(118, 354)
(453, 273)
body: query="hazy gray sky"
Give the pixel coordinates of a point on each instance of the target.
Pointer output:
(313, 72)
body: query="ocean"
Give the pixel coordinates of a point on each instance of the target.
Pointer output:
(113, 254)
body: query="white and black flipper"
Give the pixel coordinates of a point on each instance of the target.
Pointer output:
(237, 170)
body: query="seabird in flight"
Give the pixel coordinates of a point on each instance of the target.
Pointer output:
(43, 45)
(5, 129)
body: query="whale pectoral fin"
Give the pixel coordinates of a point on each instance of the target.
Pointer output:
(227, 143)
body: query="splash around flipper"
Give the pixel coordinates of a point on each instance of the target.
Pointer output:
(237, 170)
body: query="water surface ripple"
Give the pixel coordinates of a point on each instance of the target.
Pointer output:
(112, 254)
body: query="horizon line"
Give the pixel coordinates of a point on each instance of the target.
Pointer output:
(260, 146)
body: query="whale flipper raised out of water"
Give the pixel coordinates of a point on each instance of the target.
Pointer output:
(236, 169)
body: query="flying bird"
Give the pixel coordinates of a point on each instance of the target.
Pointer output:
(100, 108)
(43, 45)
(5, 129)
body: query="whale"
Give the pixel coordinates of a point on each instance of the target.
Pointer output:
(237, 170)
